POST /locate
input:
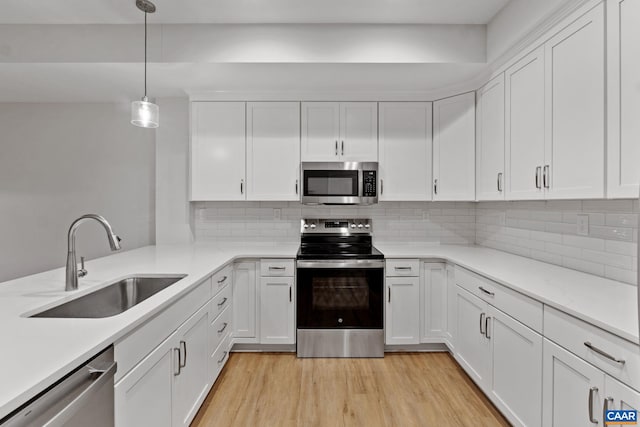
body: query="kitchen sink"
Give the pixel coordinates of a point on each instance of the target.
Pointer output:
(113, 299)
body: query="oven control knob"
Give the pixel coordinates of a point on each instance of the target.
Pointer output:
(306, 225)
(312, 226)
(360, 226)
(353, 225)
(367, 226)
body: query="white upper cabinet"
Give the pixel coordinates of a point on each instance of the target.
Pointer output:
(454, 148)
(524, 125)
(218, 151)
(575, 110)
(405, 144)
(273, 150)
(339, 131)
(623, 101)
(490, 140)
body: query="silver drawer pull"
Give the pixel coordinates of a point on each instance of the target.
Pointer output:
(223, 328)
(221, 281)
(221, 303)
(223, 356)
(402, 268)
(603, 353)
(486, 291)
(277, 268)
(592, 390)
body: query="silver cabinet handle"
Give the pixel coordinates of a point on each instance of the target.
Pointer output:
(277, 268)
(389, 298)
(221, 303)
(592, 391)
(290, 294)
(381, 186)
(545, 176)
(221, 281)
(223, 328)
(605, 408)
(242, 186)
(500, 181)
(402, 268)
(603, 353)
(296, 186)
(435, 186)
(183, 345)
(492, 294)
(343, 148)
(482, 315)
(223, 356)
(175, 374)
(538, 170)
(336, 147)
(486, 327)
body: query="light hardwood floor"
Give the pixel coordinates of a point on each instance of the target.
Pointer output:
(403, 389)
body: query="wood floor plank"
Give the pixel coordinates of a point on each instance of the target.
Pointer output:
(403, 389)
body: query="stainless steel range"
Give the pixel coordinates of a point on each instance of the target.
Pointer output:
(340, 281)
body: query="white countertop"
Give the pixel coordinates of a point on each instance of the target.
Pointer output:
(37, 352)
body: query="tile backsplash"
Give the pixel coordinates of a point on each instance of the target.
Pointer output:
(548, 231)
(543, 230)
(438, 222)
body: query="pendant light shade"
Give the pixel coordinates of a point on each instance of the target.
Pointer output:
(145, 114)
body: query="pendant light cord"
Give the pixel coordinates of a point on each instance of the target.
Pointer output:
(145, 54)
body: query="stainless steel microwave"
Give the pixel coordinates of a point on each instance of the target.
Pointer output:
(339, 183)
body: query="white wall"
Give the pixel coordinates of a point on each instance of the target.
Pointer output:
(59, 161)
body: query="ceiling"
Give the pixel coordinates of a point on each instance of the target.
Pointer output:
(252, 11)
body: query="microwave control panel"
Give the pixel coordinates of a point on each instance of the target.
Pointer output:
(369, 183)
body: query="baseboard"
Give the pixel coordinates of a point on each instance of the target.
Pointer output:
(263, 348)
(428, 347)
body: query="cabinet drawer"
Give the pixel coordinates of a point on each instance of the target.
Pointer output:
(403, 267)
(575, 335)
(134, 347)
(220, 328)
(277, 267)
(221, 279)
(524, 309)
(220, 302)
(220, 356)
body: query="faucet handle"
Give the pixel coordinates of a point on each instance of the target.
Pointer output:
(82, 271)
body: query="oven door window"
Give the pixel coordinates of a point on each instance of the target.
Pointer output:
(340, 298)
(326, 183)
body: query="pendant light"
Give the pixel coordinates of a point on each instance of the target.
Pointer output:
(144, 113)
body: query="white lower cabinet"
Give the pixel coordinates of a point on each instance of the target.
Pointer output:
(472, 346)
(620, 396)
(402, 324)
(450, 335)
(434, 302)
(277, 310)
(168, 386)
(245, 290)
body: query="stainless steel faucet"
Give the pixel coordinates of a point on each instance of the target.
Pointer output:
(71, 281)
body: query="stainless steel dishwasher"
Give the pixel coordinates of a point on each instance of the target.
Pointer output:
(82, 398)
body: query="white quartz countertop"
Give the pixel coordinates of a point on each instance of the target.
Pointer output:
(605, 303)
(39, 351)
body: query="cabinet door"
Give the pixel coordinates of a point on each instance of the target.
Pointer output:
(490, 140)
(569, 384)
(621, 396)
(433, 310)
(218, 151)
(193, 382)
(623, 97)
(524, 127)
(473, 349)
(405, 150)
(402, 324)
(277, 314)
(575, 110)
(144, 397)
(320, 131)
(273, 150)
(244, 303)
(359, 131)
(451, 308)
(454, 134)
(516, 381)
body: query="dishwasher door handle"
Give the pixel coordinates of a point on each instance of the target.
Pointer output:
(61, 418)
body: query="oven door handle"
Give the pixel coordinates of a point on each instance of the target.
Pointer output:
(352, 263)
